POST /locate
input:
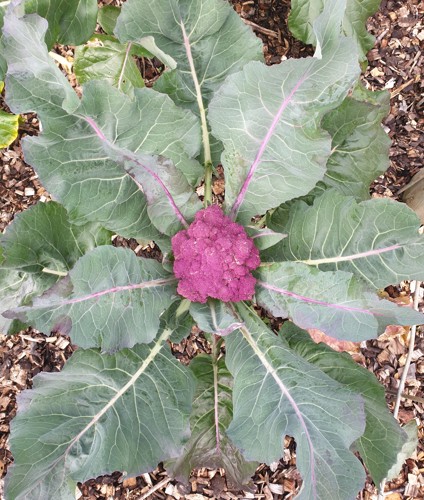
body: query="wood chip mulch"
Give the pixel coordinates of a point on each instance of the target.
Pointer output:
(396, 64)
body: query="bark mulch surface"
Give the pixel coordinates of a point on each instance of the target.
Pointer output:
(396, 64)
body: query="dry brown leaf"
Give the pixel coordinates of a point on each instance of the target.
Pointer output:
(338, 345)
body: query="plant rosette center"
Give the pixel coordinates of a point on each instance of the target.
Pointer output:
(215, 258)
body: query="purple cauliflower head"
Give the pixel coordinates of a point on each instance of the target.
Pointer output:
(214, 258)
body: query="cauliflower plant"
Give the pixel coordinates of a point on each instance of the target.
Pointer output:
(214, 258)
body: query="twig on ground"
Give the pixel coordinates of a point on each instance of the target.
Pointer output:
(156, 487)
(405, 395)
(261, 29)
(410, 351)
(381, 494)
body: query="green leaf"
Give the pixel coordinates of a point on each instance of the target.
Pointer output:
(107, 17)
(208, 32)
(70, 23)
(264, 238)
(104, 58)
(111, 299)
(214, 317)
(269, 120)
(335, 302)
(208, 445)
(101, 413)
(39, 247)
(206, 38)
(170, 198)
(276, 393)
(304, 12)
(378, 240)
(42, 240)
(3, 64)
(411, 430)
(383, 438)
(70, 157)
(9, 125)
(178, 319)
(360, 147)
(34, 82)
(15, 286)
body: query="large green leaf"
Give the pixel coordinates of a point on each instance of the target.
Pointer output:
(40, 246)
(276, 392)
(170, 198)
(383, 438)
(206, 38)
(105, 58)
(335, 302)
(71, 22)
(360, 147)
(269, 120)
(304, 12)
(101, 413)
(378, 240)
(110, 299)
(212, 412)
(9, 125)
(34, 82)
(70, 155)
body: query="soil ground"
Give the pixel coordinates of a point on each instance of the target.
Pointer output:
(396, 64)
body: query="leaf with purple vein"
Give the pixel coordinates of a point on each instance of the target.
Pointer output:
(268, 119)
(156, 177)
(110, 299)
(335, 302)
(378, 240)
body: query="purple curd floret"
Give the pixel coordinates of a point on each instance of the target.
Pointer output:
(214, 258)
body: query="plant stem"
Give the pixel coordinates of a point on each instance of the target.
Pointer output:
(207, 199)
(381, 494)
(54, 271)
(121, 75)
(216, 344)
(203, 122)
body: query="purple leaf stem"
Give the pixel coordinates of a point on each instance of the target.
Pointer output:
(122, 288)
(240, 197)
(316, 301)
(226, 331)
(136, 286)
(134, 159)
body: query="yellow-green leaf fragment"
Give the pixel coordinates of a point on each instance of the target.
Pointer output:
(9, 125)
